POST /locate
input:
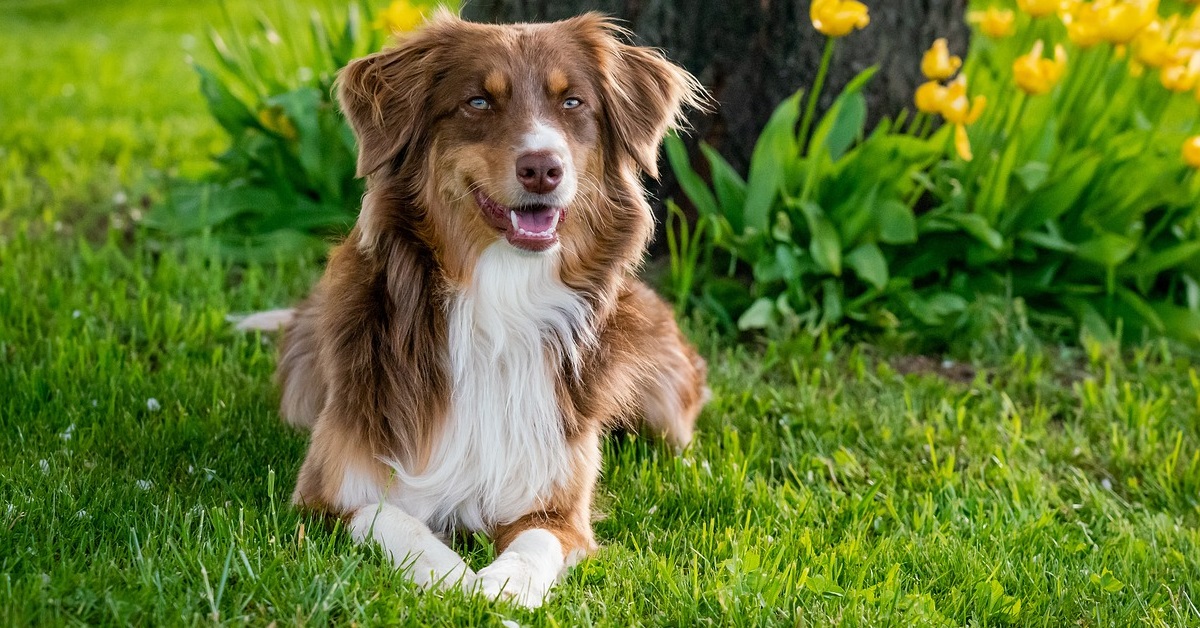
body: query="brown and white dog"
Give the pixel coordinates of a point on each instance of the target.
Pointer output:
(482, 327)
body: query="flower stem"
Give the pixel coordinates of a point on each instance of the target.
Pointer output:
(814, 94)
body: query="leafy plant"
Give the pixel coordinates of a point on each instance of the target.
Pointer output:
(287, 178)
(1059, 195)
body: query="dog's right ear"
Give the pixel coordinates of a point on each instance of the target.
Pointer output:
(383, 96)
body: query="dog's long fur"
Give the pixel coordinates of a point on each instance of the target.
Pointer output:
(452, 380)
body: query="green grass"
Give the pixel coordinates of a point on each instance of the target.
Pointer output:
(1053, 487)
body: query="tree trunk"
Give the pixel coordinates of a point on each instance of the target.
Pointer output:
(751, 54)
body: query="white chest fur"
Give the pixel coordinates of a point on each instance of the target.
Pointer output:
(502, 448)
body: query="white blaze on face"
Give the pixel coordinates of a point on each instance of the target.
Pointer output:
(543, 137)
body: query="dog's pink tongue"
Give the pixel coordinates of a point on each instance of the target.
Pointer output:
(538, 220)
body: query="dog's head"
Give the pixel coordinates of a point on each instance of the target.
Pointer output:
(515, 132)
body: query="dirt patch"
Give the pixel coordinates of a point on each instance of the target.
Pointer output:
(952, 370)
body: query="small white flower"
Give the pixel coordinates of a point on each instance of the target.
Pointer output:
(44, 465)
(153, 405)
(947, 364)
(67, 433)
(76, 314)
(707, 468)
(94, 403)
(1106, 483)
(120, 198)
(508, 623)
(9, 510)
(82, 514)
(191, 469)
(144, 484)
(653, 509)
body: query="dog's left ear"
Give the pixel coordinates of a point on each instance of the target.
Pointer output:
(644, 93)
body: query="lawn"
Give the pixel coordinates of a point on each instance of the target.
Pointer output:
(145, 475)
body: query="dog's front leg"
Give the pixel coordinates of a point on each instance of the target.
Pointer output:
(537, 550)
(526, 570)
(410, 545)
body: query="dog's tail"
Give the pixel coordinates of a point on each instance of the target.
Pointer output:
(270, 320)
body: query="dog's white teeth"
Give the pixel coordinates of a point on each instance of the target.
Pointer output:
(554, 224)
(512, 215)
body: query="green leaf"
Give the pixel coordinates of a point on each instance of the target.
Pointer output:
(822, 585)
(785, 260)
(1056, 198)
(1107, 249)
(1179, 322)
(847, 126)
(868, 263)
(775, 148)
(729, 185)
(231, 113)
(825, 245)
(1048, 241)
(1091, 322)
(1141, 308)
(1105, 580)
(1163, 260)
(978, 227)
(693, 184)
(897, 225)
(302, 107)
(1032, 174)
(844, 120)
(759, 316)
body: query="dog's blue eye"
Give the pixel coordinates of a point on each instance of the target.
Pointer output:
(571, 103)
(479, 103)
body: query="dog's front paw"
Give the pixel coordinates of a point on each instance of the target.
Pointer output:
(514, 579)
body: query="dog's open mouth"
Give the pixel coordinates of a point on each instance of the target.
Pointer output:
(528, 227)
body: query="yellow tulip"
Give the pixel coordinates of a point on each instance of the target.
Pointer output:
(838, 18)
(399, 17)
(1083, 24)
(1191, 151)
(995, 23)
(962, 143)
(952, 102)
(957, 108)
(938, 64)
(1036, 75)
(1153, 43)
(1122, 21)
(930, 97)
(1038, 8)
(1180, 77)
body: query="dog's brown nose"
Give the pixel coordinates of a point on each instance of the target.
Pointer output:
(539, 172)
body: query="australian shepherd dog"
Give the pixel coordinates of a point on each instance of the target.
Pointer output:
(482, 327)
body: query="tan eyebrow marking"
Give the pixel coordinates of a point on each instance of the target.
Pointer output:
(496, 83)
(557, 82)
